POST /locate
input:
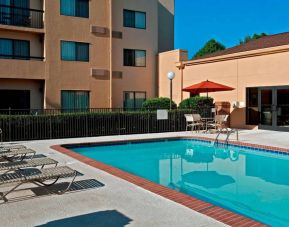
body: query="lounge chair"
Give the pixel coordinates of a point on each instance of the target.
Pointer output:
(36, 176)
(193, 121)
(12, 147)
(19, 154)
(12, 166)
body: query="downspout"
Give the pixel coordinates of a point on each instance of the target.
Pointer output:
(110, 53)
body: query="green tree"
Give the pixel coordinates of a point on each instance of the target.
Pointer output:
(210, 47)
(249, 38)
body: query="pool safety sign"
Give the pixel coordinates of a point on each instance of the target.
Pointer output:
(162, 114)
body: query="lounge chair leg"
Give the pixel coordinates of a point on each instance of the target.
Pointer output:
(50, 184)
(3, 195)
(65, 190)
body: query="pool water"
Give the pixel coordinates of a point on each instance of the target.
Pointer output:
(251, 182)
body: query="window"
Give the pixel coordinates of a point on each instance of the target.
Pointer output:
(252, 111)
(15, 99)
(14, 49)
(134, 100)
(134, 58)
(74, 100)
(74, 51)
(134, 19)
(75, 8)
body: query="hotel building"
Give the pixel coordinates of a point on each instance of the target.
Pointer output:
(258, 70)
(74, 54)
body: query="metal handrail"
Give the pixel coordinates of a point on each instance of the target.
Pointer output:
(228, 132)
(22, 8)
(19, 57)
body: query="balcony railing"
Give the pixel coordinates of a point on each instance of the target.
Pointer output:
(19, 57)
(17, 16)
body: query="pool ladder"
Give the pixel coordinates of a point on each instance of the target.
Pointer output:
(228, 132)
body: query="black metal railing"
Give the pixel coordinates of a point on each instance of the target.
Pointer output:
(38, 124)
(20, 57)
(17, 16)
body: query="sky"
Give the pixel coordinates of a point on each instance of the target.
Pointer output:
(227, 21)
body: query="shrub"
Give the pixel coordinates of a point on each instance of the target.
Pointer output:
(196, 103)
(158, 103)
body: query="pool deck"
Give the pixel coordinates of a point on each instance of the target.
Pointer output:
(101, 199)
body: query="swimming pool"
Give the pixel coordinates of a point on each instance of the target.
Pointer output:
(251, 182)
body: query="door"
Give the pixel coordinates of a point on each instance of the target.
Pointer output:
(282, 111)
(266, 107)
(274, 108)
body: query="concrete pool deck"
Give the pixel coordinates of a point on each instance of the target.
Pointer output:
(109, 200)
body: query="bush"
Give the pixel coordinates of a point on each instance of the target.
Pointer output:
(158, 103)
(196, 103)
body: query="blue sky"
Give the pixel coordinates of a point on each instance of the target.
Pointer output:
(227, 21)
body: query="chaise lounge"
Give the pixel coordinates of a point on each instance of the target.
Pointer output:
(36, 176)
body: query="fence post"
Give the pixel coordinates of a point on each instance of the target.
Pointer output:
(118, 118)
(50, 127)
(9, 124)
(148, 120)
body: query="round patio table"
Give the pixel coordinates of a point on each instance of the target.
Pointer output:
(206, 120)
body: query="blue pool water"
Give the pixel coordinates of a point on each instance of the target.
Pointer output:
(250, 182)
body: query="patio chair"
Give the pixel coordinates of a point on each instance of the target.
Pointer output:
(12, 155)
(36, 176)
(193, 122)
(219, 122)
(12, 166)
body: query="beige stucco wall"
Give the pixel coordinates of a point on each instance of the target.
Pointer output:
(167, 63)
(135, 78)
(64, 75)
(267, 67)
(166, 28)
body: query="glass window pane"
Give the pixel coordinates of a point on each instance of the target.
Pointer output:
(140, 58)
(74, 100)
(68, 51)
(283, 107)
(140, 97)
(67, 7)
(67, 100)
(128, 18)
(21, 49)
(6, 48)
(129, 58)
(81, 100)
(82, 8)
(129, 100)
(82, 52)
(140, 20)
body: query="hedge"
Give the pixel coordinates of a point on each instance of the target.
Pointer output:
(158, 103)
(68, 125)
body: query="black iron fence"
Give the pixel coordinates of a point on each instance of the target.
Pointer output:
(35, 124)
(18, 16)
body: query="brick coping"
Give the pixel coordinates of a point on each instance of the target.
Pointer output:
(208, 209)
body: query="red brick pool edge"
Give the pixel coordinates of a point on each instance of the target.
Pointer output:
(215, 212)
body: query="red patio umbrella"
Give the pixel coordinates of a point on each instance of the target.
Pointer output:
(206, 87)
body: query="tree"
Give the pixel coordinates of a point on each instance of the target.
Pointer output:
(249, 38)
(210, 47)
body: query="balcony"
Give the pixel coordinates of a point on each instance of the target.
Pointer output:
(22, 17)
(22, 67)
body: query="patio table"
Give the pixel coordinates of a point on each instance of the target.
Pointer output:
(206, 120)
